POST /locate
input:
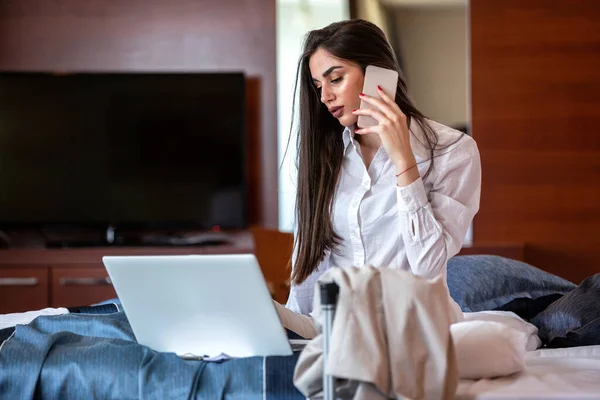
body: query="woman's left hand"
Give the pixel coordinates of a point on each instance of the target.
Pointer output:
(392, 129)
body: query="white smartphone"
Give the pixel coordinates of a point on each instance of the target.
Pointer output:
(387, 79)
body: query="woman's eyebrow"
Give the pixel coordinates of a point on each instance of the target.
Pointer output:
(328, 72)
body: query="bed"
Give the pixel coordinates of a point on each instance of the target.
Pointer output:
(83, 356)
(96, 356)
(567, 315)
(572, 373)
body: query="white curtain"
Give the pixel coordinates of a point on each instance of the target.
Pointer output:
(294, 19)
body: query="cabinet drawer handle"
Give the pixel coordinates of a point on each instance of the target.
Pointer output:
(18, 281)
(85, 281)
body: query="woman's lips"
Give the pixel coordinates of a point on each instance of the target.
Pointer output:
(337, 111)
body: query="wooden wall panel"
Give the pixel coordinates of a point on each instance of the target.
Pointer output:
(160, 35)
(535, 79)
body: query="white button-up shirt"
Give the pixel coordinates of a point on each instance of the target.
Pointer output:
(417, 227)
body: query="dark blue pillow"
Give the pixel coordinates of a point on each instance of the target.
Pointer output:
(485, 282)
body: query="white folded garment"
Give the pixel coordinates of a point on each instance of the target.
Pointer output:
(10, 320)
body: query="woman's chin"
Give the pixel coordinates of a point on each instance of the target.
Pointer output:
(348, 121)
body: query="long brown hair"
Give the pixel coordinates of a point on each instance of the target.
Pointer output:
(320, 142)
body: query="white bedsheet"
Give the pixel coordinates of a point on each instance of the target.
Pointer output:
(23, 318)
(571, 373)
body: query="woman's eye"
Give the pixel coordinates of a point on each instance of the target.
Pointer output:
(336, 80)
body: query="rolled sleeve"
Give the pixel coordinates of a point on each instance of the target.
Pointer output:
(413, 197)
(433, 225)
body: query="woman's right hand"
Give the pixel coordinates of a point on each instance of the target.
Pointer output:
(302, 325)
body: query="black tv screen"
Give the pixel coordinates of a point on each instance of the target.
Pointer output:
(149, 149)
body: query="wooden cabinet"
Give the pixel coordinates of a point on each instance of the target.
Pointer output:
(33, 287)
(35, 278)
(80, 285)
(23, 288)
(31, 279)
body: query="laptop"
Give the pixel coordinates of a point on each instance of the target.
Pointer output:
(199, 306)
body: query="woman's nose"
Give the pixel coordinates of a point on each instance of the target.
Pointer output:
(326, 95)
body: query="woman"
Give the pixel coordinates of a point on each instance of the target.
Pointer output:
(401, 194)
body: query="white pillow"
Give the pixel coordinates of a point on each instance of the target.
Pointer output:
(487, 349)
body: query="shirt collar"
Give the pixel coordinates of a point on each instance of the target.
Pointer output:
(348, 136)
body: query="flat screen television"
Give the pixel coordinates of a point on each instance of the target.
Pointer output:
(123, 149)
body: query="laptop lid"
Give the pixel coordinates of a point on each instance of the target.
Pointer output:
(199, 305)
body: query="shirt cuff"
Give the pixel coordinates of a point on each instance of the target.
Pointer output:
(412, 197)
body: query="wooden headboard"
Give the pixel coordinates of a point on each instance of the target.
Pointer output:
(535, 85)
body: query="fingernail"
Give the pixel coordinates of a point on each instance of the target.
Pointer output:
(354, 109)
(362, 94)
(379, 87)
